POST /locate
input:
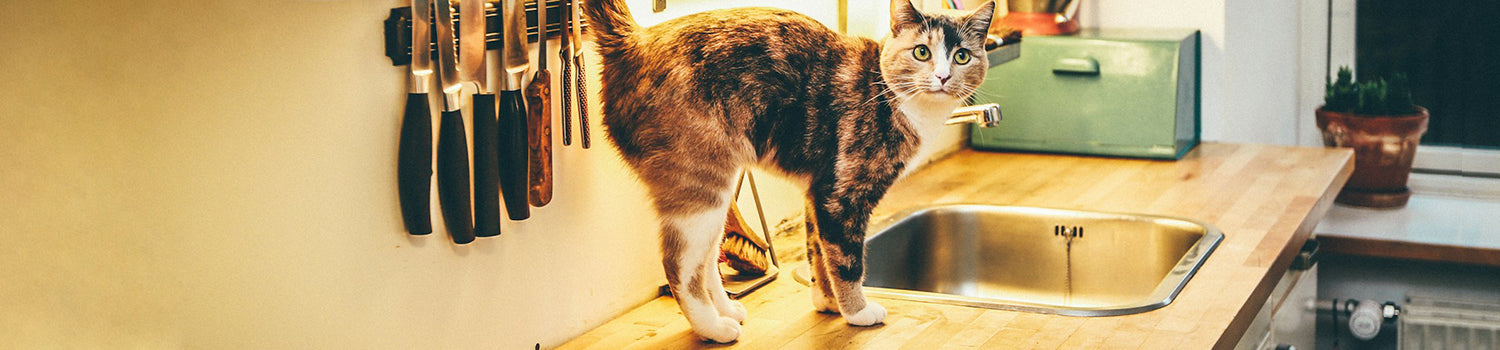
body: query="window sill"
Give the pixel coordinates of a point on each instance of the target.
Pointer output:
(1444, 210)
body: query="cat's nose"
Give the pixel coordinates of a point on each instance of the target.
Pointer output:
(942, 78)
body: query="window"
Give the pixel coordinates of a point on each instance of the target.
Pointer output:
(1450, 51)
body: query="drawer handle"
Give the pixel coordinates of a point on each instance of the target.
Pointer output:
(1076, 66)
(1307, 257)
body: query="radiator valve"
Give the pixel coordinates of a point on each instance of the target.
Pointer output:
(1367, 315)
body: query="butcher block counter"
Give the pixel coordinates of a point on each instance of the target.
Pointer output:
(1266, 199)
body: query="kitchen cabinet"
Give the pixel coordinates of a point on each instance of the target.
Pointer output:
(1288, 319)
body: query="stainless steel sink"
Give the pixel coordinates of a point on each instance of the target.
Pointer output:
(1037, 260)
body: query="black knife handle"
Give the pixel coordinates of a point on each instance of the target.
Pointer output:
(453, 176)
(567, 96)
(414, 165)
(486, 168)
(514, 150)
(583, 102)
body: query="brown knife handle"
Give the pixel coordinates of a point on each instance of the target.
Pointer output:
(414, 165)
(513, 154)
(583, 102)
(453, 177)
(539, 131)
(486, 167)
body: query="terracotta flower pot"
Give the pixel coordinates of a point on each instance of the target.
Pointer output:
(1383, 150)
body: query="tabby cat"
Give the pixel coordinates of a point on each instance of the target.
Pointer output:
(692, 101)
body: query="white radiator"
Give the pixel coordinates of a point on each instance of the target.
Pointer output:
(1429, 322)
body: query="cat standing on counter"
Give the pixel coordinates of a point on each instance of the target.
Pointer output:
(692, 101)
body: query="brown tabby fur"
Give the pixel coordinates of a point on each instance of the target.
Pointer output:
(691, 102)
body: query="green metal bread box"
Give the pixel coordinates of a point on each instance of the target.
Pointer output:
(1109, 92)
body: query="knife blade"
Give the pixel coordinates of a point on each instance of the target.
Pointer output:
(453, 141)
(414, 156)
(565, 59)
(512, 111)
(471, 64)
(539, 118)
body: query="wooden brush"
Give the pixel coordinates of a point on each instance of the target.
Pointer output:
(744, 250)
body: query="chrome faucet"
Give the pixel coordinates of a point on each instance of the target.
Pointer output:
(985, 115)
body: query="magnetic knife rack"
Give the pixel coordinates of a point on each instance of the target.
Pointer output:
(398, 28)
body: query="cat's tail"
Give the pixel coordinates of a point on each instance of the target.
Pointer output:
(612, 25)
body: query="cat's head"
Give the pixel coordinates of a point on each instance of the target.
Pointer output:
(935, 56)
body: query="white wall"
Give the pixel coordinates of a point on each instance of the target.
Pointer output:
(1249, 60)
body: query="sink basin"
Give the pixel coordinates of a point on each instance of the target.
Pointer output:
(1034, 259)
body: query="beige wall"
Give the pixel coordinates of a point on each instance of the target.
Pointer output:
(217, 174)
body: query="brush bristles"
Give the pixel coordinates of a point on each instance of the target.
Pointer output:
(744, 256)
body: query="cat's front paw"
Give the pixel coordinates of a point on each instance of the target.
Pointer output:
(734, 310)
(872, 314)
(720, 330)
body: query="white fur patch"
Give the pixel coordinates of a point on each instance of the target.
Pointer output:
(701, 233)
(870, 316)
(941, 65)
(927, 113)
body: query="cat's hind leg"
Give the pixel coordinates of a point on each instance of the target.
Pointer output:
(727, 307)
(688, 243)
(691, 194)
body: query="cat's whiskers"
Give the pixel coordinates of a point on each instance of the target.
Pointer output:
(964, 92)
(887, 89)
(907, 93)
(907, 88)
(977, 91)
(900, 101)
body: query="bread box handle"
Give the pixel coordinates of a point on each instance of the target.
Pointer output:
(1076, 66)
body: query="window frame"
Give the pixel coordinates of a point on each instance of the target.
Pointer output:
(1327, 41)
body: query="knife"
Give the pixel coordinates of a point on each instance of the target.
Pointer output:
(539, 117)
(578, 76)
(453, 141)
(414, 158)
(471, 64)
(512, 128)
(565, 58)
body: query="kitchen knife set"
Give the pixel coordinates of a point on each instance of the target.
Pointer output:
(512, 155)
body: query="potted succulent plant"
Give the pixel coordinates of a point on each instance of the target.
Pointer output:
(1379, 121)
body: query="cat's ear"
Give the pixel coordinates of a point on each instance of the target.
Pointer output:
(979, 20)
(903, 14)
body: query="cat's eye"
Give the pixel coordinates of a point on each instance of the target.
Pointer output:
(921, 53)
(962, 56)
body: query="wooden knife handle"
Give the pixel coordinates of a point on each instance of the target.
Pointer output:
(414, 165)
(539, 131)
(486, 167)
(453, 176)
(513, 155)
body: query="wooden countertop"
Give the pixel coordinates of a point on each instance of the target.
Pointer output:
(1266, 199)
